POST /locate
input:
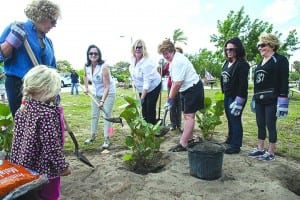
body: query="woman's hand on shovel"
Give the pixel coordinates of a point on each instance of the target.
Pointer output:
(100, 104)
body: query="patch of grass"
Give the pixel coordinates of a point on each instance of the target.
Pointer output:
(77, 109)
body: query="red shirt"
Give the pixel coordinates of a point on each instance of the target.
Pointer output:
(166, 72)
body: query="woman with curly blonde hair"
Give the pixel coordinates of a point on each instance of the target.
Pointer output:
(42, 17)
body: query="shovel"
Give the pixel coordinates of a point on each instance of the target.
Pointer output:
(112, 119)
(81, 157)
(163, 128)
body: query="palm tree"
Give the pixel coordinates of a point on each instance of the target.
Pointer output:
(178, 36)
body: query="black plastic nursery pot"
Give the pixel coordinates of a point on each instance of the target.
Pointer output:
(206, 160)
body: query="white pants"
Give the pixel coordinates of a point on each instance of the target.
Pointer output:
(108, 107)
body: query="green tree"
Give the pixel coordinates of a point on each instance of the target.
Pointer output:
(239, 24)
(178, 36)
(63, 66)
(205, 60)
(296, 66)
(121, 72)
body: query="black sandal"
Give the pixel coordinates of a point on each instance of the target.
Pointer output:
(178, 148)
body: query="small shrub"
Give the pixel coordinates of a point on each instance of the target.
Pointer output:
(210, 116)
(142, 142)
(6, 128)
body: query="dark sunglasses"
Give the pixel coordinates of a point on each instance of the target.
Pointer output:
(53, 21)
(229, 49)
(93, 53)
(138, 47)
(262, 45)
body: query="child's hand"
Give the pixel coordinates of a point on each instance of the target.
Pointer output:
(66, 172)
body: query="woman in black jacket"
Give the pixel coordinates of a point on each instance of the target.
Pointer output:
(270, 94)
(234, 85)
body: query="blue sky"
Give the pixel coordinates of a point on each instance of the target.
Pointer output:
(102, 22)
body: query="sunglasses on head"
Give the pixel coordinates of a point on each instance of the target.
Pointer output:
(138, 47)
(262, 45)
(230, 49)
(93, 53)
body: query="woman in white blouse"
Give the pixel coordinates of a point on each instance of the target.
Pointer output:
(146, 80)
(103, 90)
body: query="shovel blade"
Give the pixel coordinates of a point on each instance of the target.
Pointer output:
(115, 120)
(163, 131)
(83, 159)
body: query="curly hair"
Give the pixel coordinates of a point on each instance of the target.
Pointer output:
(41, 83)
(39, 10)
(143, 44)
(240, 49)
(269, 39)
(166, 46)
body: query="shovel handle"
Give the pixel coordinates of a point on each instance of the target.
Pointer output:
(71, 135)
(93, 98)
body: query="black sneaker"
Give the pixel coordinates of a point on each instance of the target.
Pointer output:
(255, 153)
(267, 157)
(232, 151)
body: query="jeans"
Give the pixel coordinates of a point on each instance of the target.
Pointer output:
(266, 117)
(14, 86)
(74, 85)
(235, 128)
(108, 107)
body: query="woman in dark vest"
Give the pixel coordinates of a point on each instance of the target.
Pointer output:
(234, 85)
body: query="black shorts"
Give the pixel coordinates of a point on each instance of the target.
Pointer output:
(192, 99)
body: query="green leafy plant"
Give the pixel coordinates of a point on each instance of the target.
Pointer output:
(142, 142)
(6, 128)
(210, 116)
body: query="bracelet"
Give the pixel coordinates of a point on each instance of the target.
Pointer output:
(102, 101)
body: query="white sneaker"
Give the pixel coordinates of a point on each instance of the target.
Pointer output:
(106, 144)
(90, 139)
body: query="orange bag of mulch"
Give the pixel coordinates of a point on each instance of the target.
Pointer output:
(13, 176)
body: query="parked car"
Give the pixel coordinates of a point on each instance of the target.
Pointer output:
(65, 79)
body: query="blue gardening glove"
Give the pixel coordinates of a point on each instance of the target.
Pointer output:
(282, 107)
(169, 103)
(16, 36)
(237, 105)
(252, 105)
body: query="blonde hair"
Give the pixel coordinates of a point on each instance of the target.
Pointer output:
(166, 46)
(41, 83)
(145, 52)
(269, 39)
(39, 10)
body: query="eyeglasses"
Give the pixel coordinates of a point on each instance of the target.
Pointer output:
(262, 45)
(53, 21)
(93, 53)
(229, 49)
(138, 47)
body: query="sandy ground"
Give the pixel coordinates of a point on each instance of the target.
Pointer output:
(242, 178)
